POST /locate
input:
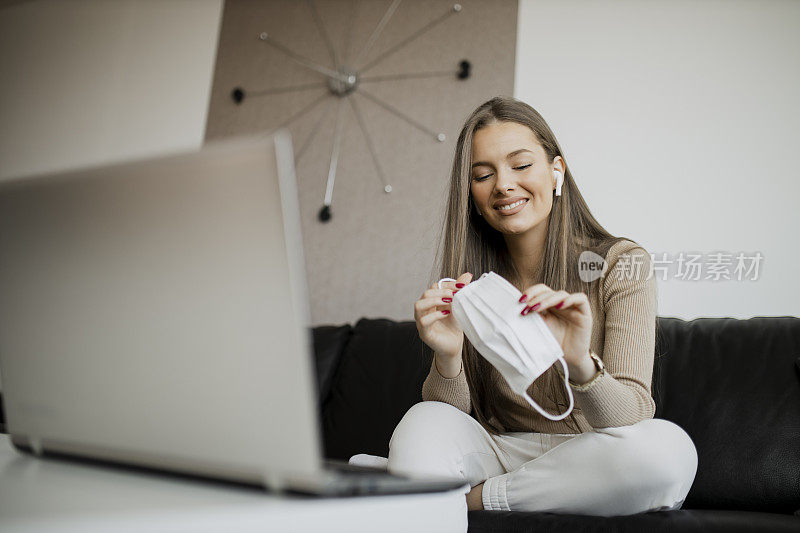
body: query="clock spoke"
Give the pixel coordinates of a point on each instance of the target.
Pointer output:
(377, 31)
(392, 109)
(324, 33)
(311, 135)
(267, 38)
(349, 33)
(302, 112)
(278, 90)
(337, 138)
(441, 73)
(368, 139)
(455, 9)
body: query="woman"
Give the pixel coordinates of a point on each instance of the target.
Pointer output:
(609, 457)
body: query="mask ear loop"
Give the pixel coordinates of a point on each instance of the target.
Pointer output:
(444, 279)
(569, 393)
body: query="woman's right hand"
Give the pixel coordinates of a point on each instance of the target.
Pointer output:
(435, 323)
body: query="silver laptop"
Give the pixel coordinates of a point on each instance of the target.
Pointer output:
(155, 313)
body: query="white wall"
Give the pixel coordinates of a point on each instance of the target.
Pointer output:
(677, 118)
(86, 82)
(679, 121)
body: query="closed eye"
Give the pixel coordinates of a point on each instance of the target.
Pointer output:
(481, 178)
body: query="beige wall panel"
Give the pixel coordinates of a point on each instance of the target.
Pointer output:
(374, 258)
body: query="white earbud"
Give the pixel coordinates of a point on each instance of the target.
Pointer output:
(559, 181)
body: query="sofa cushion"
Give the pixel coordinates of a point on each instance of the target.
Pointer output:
(329, 344)
(732, 385)
(666, 521)
(379, 379)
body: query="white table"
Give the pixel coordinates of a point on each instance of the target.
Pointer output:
(46, 494)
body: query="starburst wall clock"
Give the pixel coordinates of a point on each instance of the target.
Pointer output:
(342, 82)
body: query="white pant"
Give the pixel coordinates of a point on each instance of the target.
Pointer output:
(606, 472)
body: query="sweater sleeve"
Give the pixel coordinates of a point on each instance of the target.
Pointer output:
(622, 396)
(454, 391)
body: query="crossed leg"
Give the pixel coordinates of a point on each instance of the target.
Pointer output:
(611, 471)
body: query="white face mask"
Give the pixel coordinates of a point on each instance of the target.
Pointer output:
(520, 347)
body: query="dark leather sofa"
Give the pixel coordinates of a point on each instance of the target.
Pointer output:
(733, 385)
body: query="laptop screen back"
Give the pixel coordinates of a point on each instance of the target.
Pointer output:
(156, 312)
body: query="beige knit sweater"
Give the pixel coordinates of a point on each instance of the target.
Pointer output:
(623, 304)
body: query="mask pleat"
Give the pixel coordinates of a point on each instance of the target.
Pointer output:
(520, 347)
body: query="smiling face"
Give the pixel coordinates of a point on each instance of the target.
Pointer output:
(509, 165)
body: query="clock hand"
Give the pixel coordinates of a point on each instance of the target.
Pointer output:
(264, 36)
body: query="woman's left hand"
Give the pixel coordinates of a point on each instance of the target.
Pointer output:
(569, 317)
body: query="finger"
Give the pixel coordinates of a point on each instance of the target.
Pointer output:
(426, 304)
(430, 318)
(463, 280)
(539, 301)
(551, 300)
(574, 303)
(534, 291)
(432, 297)
(438, 293)
(536, 295)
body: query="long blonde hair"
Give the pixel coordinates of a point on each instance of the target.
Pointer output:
(470, 244)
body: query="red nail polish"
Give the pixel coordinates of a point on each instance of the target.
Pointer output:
(459, 285)
(535, 307)
(526, 311)
(445, 312)
(559, 305)
(523, 298)
(448, 300)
